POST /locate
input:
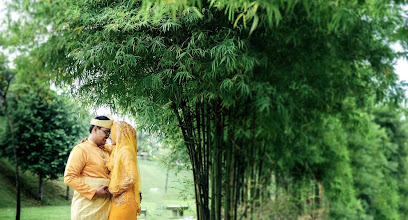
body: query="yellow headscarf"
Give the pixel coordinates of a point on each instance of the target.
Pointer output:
(123, 160)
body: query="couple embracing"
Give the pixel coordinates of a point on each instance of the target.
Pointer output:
(105, 177)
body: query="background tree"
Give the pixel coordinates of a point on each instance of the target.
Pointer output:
(6, 77)
(395, 125)
(48, 125)
(374, 187)
(48, 129)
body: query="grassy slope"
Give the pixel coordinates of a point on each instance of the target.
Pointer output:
(54, 190)
(153, 177)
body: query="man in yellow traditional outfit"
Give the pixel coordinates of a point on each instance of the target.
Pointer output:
(87, 174)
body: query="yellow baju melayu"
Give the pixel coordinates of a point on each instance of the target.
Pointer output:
(125, 179)
(85, 171)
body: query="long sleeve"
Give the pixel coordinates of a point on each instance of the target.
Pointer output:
(129, 164)
(72, 178)
(109, 148)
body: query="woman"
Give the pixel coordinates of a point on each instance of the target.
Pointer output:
(125, 179)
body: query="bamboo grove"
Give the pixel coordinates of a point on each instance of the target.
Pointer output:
(272, 100)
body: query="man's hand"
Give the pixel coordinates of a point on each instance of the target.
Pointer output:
(102, 191)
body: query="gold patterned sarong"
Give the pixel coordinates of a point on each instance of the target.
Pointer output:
(95, 209)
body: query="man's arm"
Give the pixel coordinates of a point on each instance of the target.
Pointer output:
(109, 147)
(75, 164)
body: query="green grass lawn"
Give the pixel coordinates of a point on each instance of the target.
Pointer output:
(155, 199)
(179, 190)
(37, 213)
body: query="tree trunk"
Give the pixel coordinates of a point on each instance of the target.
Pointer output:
(67, 195)
(167, 178)
(218, 139)
(191, 141)
(40, 188)
(230, 185)
(223, 177)
(18, 208)
(205, 131)
(213, 184)
(3, 104)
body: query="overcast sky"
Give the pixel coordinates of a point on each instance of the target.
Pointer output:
(401, 67)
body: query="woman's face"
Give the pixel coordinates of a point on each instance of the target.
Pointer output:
(113, 133)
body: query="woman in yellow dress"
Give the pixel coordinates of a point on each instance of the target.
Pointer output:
(124, 177)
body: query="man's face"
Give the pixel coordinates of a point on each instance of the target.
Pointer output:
(101, 134)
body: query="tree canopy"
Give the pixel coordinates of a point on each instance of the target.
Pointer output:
(47, 130)
(46, 125)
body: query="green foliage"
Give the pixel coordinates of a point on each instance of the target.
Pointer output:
(395, 125)
(375, 188)
(46, 129)
(46, 125)
(6, 76)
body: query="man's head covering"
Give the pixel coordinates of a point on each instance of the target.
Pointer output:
(103, 123)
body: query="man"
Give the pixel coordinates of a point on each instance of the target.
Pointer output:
(87, 174)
